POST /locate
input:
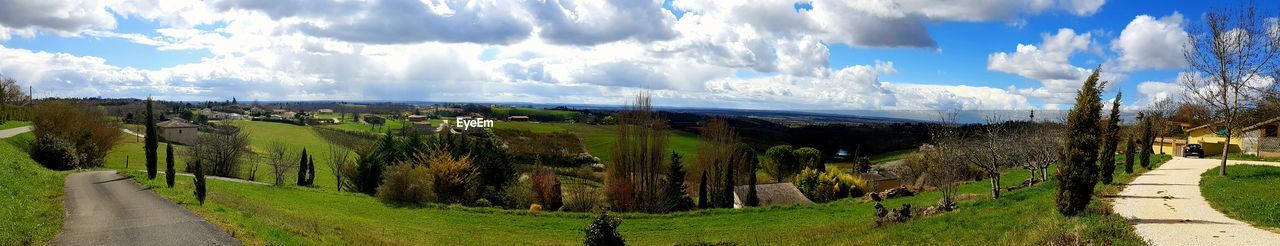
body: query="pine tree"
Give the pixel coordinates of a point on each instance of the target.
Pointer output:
(726, 195)
(677, 199)
(169, 173)
(702, 193)
(1110, 138)
(1144, 154)
(752, 199)
(152, 145)
(199, 183)
(1078, 173)
(302, 169)
(1128, 155)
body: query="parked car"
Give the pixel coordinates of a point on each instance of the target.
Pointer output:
(1193, 150)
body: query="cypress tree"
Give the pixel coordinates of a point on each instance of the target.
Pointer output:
(169, 173)
(1078, 173)
(151, 145)
(311, 171)
(677, 199)
(752, 199)
(302, 169)
(1110, 138)
(1128, 155)
(1144, 154)
(199, 182)
(702, 193)
(726, 196)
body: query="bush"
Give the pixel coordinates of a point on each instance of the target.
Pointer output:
(535, 208)
(84, 130)
(455, 179)
(580, 198)
(53, 153)
(810, 158)
(547, 187)
(604, 231)
(520, 194)
(483, 203)
(829, 186)
(407, 184)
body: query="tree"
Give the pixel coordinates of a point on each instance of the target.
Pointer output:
(1078, 175)
(199, 182)
(1229, 58)
(810, 158)
(311, 171)
(302, 168)
(169, 173)
(604, 231)
(1128, 154)
(638, 157)
(724, 158)
(939, 170)
(280, 160)
(79, 134)
(338, 159)
(676, 196)
(1148, 137)
(780, 162)
(220, 150)
(1110, 139)
(989, 151)
(725, 200)
(703, 203)
(752, 198)
(151, 146)
(10, 92)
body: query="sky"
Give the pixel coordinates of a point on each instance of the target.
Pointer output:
(760, 54)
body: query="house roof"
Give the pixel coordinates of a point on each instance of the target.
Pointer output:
(773, 194)
(1206, 125)
(175, 123)
(1260, 124)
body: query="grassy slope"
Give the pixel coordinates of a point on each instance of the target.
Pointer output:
(599, 138)
(30, 197)
(1247, 193)
(14, 124)
(509, 111)
(291, 215)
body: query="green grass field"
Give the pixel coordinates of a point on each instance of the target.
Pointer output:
(14, 124)
(1247, 193)
(599, 138)
(503, 112)
(30, 197)
(291, 215)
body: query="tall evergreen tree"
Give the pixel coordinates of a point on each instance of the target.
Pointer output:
(677, 198)
(702, 193)
(1078, 174)
(1110, 138)
(169, 173)
(199, 182)
(311, 170)
(1144, 153)
(1128, 154)
(725, 200)
(152, 142)
(302, 169)
(752, 199)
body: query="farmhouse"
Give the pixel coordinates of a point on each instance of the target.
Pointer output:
(518, 118)
(1261, 139)
(374, 120)
(178, 131)
(770, 195)
(417, 118)
(1211, 136)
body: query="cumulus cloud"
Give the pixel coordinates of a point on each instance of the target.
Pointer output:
(1150, 43)
(589, 22)
(26, 17)
(1049, 61)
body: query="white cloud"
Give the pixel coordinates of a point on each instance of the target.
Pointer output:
(26, 17)
(1150, 43)
(1049, 61)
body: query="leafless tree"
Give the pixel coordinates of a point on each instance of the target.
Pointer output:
(339, 157)
(940, 168)
(639, 154)
(219, 150)
(1229, 57)
(254, 161)
(1160, 113)
(281, 161)
(989, 150)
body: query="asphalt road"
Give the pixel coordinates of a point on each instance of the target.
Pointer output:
(6, 133)
(104, 208)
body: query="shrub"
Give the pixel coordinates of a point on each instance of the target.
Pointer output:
(546, 186)
(604, 231)
(483, 203)
(829, 186)
(407, 184)
(581, 198)
(810, 158)
(535, 208)
(780, 161)
(85, 131)
(619, 191)
(53, 153)
(520, 194)
(455, 179)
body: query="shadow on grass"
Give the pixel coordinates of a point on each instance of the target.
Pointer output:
(1175, 221)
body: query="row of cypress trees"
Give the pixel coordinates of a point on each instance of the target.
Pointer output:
(306, 170)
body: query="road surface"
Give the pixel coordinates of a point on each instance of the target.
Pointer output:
(1166, 208)
(104, 208)
(6, 133)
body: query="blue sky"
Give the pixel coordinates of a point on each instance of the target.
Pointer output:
(906, 54)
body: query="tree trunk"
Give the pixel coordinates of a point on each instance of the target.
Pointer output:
(995, 185)
(1226, 146)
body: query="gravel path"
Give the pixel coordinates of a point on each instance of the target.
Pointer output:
(6, 133)
(104, 208)
(1166, 208)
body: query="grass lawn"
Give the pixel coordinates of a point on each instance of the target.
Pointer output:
(509, 111)
(30, 197)
(291, 215)
(1244, 157)
(1247, 193)
(599, 138)
(14, 124)
(392, 125)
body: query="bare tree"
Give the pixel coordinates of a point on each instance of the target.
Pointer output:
(281, 161)
(635, 177)
(219, 150)
(254, 161)
(989, 150)
(1228, 56)
(939, 170)
(339, 157)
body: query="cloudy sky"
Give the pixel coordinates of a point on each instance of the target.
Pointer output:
(759, 54)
